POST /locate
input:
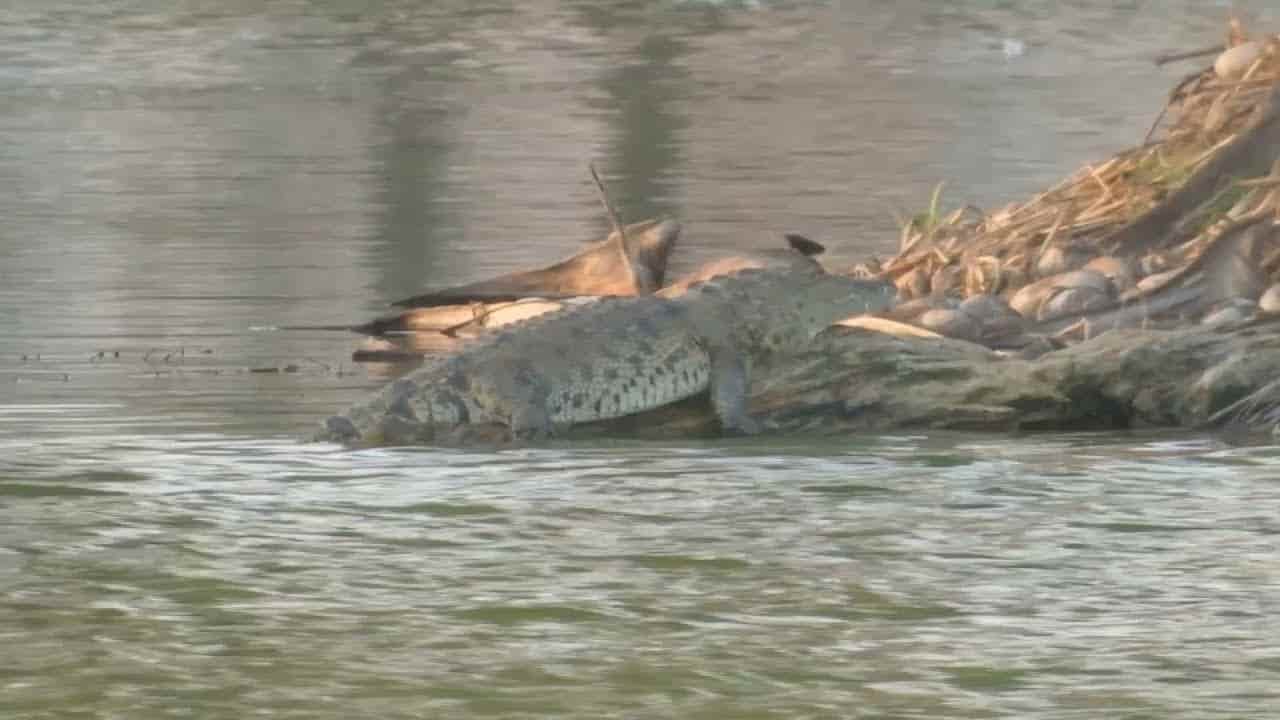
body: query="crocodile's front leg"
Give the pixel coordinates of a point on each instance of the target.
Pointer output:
(530, 421)
(730, 388)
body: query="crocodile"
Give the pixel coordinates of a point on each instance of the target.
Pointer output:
(616, 356)
(497, 315)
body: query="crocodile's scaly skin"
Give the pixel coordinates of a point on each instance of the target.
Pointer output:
(615, 357)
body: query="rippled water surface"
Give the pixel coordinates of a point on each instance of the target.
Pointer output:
(220, 576)
(178, 180)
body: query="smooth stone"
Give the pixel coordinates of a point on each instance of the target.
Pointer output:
(1270, 301)
(1027, 301)
(987, 308)
(1118, 271)
(1153, 264)
(1038, 346)
(1075, 301)
(1033, 300)
(1056, 260)
(1152, 282)
(996, 319)
(1091, 279)
(1237, 312)
(910, 311)
(1233, 62)
(951, 323)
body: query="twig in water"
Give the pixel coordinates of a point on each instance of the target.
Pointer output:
(326, 366)
(1167, 58)
(608, 206)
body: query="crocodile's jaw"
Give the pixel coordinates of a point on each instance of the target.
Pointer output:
(838, 297)
(768, 323)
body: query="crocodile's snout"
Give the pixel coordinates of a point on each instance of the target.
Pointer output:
(340, 429)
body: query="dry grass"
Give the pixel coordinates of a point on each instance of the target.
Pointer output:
(966, 251)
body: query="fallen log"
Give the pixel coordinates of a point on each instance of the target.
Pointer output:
(857, 380)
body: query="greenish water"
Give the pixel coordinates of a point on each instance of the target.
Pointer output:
(178, 180)
(214, 576)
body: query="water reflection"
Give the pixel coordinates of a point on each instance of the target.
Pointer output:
(419, 210)
(643, 101)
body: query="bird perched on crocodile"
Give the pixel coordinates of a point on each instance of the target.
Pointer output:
(617, 357)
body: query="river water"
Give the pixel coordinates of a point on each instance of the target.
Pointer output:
(179, 179)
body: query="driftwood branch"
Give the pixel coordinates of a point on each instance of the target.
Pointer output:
(1171, 57)
(608, 206)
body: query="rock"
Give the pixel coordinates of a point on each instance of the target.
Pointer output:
(1118, 271)
(1233, 62)
(1084, 290)
(1269, 303)
(1232, 263)
(1075, 301)
(988, 308)
(1036, 347)
(1151, 283)
(914, 284)
(1027, 301)
(998, 322)
(951, 323)
(1090, 279)
(1056, 260)
(1237, 312)
(946, 280)
(910, 311)
(1153, 264)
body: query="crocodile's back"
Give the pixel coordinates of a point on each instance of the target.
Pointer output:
(615, 357)
(612, 358)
